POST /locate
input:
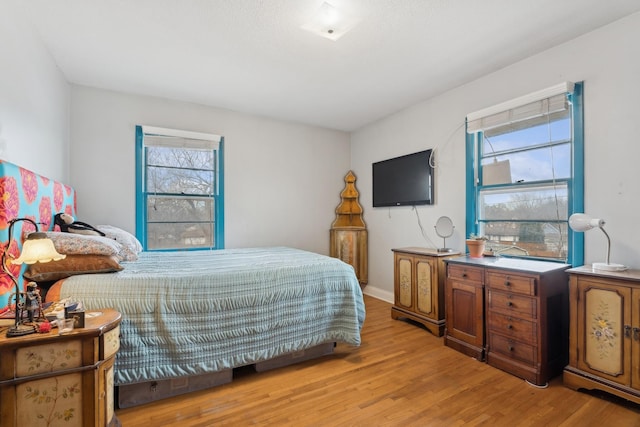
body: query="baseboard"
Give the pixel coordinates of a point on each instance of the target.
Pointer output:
(378, 293)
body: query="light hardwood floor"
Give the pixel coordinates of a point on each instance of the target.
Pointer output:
(401, 375)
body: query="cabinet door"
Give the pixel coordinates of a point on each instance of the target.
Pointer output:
(635, 344)
(106, 402)
(404, 281)
(604, 330)
(425, 280)
(350, 246)
(51, 401)
(465, 312)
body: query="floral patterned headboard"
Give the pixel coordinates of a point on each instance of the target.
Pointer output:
(25, 194)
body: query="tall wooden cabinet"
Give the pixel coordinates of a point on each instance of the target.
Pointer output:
(419, 286)
(511, 313)
(348, 234)
(604, 345)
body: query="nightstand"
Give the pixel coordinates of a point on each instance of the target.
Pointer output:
(48, 379)
(604, 334)
(419, 275)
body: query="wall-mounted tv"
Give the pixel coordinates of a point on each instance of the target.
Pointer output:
(403, 181)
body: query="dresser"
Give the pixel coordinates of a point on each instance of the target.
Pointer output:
(604, 343)
(52, 379)
(511, 313)
(419, 286)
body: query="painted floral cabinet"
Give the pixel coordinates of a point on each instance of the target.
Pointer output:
(61, 380)
(419, 275)
(604, 348)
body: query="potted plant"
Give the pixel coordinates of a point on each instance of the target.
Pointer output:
(476, 244)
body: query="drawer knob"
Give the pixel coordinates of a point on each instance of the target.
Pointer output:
(509, 326)
(507, 283)
(636, 334)
(464, 275)
(510, 348)
(510, 304)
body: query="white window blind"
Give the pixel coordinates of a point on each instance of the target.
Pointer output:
(537, 104)
(160, 137)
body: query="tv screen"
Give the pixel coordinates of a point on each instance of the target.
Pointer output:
(403, 181)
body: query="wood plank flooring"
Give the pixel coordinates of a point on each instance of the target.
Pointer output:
(401, 375)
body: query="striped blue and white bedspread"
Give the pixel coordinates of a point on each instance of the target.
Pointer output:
(194, 312)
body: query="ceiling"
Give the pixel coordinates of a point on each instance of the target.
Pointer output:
(252, 56)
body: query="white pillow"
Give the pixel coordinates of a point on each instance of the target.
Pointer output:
(131, 246)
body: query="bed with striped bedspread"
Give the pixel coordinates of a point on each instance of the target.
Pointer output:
(189, 313)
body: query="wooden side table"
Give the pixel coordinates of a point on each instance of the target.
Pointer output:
(604, 333)
(52, 379)
(419, 275)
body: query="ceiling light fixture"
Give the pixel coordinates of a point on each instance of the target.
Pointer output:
(329, 22)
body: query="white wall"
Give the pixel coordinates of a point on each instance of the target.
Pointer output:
(607, 60)
(282, 180)
(34, 99)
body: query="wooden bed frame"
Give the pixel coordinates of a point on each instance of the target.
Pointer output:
(150, 391)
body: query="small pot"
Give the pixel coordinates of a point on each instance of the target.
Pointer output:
(476, 248)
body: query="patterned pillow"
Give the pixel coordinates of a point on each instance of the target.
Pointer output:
(131, 246)
(82, 244)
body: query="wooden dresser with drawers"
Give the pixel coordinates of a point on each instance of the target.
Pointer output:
(511, 313)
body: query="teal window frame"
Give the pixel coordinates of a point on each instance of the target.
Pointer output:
(575, 183)
(142, 196)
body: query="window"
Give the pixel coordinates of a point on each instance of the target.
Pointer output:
(179, 189)
(524, 174)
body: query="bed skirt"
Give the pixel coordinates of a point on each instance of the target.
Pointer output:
(129, 395)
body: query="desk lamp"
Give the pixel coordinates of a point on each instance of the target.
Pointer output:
(582, 222)
(37, 248)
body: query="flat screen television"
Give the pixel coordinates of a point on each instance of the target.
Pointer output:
(403, 181)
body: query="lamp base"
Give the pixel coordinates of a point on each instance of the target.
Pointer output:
(20, 330)
(603, 266)
(445, 250)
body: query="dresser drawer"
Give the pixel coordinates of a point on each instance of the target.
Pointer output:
(512, 348)
(460, 272)
(525, 285)
(513, 327)
(53, 357)
(512, 304)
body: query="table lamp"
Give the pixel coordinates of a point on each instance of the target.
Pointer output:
(582, 222)
(36, 248)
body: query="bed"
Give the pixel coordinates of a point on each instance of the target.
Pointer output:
(190, 318)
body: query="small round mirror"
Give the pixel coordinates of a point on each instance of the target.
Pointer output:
(444, 228)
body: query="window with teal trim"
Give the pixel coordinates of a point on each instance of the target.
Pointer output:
(179, 196)
(524, 176)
